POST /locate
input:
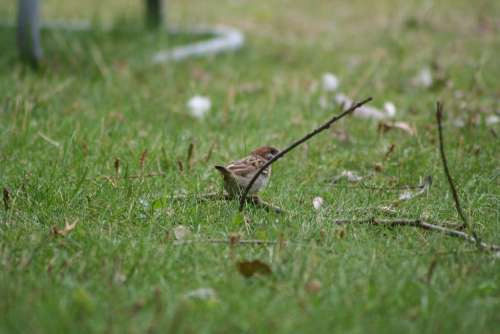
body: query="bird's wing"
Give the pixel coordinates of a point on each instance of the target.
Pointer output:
(246, 167)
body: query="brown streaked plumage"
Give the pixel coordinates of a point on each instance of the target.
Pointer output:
(238, 173)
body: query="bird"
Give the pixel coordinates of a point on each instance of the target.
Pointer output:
(237, 174)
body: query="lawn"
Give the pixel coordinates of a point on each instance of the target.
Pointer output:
(100, 137)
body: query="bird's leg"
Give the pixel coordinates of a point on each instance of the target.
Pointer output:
(259, 203)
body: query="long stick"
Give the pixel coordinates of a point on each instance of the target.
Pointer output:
(419, 223)
(439, 117)
(297, 143)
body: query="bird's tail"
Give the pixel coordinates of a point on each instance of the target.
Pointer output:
(223, 170)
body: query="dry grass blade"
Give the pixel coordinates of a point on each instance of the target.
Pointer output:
(117, 166)
(142, 159)
(6, 199)
(190, 156)
(64, 231)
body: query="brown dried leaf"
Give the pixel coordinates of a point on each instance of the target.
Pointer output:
(384, 127)
(378, 167)
(251, 268)
(64, 231)
(180, 165)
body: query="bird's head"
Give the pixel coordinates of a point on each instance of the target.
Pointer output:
(266, 152)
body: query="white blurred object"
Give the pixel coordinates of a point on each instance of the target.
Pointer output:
(317, 202)
(202, 293)
(349, 175)
(370, 112)
(423, 78)
(492, 119)
(366, 111)
(224, 39)
(330, 82)
(458, 123)
(199, 106)
(343, 100)
(422, 188)
(406, 195)
(390, 109)
(181, 232)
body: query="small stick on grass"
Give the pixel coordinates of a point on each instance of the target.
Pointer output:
(297, 143)
(228, 242)
(439, 117)
(422, 224)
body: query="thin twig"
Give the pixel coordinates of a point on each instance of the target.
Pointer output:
(138, 176)
(363, 186)
(228, 241)
(297, 143)
(144, 175)
(439, 117)
(419, 223)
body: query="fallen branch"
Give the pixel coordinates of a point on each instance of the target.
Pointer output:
(420, 223)
(228, 241)
(439, 116)
(368, 187)
(297, 143)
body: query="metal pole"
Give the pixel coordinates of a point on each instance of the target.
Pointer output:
(28, 31)
(154, 13)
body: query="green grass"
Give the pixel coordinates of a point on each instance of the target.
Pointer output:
(97, 99)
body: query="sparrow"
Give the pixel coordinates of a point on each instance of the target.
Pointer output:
(237, 174)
